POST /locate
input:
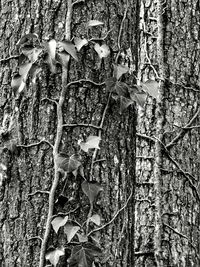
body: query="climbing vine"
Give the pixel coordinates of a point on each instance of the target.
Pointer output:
(57, 54)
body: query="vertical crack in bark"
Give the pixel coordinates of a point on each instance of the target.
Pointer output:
(159, 134)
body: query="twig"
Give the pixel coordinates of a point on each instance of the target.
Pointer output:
(50, 100)
(114, 217)
(183, 131)
(99, 133)
(35, 237)
(175, 231)
(38, 192)
(36, 144)
(86, 81)
(185, 175)
(82, 125)
(8, 58)
(153, 139)
(77, 2)
(57, 139)
(120, 32)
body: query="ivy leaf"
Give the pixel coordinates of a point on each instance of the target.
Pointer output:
(141, 98)
(95, 219)
(63, 58)
(82, 238)
(62, 161)
(26, 38)
(102, 51)
(110, 84)
(119, 70)
(84, 255)
(51, 48)
(124, 103)
(151, 87)
(70, 230)
(59, 222)
(31, 52)
(24, 69)
(79, 43)
(34, 71)
(17, 83)
(91, 142)
(93, 23)
(122, 89)
(91, 190)
(54, 256)
(74, 164)
(69, 48)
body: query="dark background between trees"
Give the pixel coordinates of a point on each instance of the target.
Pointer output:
(30, 169)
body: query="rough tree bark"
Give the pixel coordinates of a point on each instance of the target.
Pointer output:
(179, 162)
(26, 120)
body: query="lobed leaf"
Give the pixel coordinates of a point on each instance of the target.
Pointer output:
(54, 256)
(59, 222)
(69, 48)
(119, 70)
(24, 69)
(102, 51)
(91, 142)
(51, 48)
(91, 190)
(95, 219)
(151, 87)
(70, 230)
(124, 103)
(63, 58)
(83, 255)
(79, 43)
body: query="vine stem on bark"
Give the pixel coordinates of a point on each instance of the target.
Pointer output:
(159, 134)
(58, 138)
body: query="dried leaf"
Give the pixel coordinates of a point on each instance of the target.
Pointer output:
(70, 230)
(91, 190)
(91, 142)
(59, 222)
(119, 70)
(95, 219)
(79, 43)
(54, 256)
(102, 51)
(93, 23)
(69, 48)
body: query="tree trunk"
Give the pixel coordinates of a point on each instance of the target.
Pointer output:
(179, 185)
(31, 121)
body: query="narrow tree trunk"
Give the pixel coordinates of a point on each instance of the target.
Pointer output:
(30, 125)
(179, 184)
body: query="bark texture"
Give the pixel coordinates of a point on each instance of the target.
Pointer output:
(29, 119)
(179, 180)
